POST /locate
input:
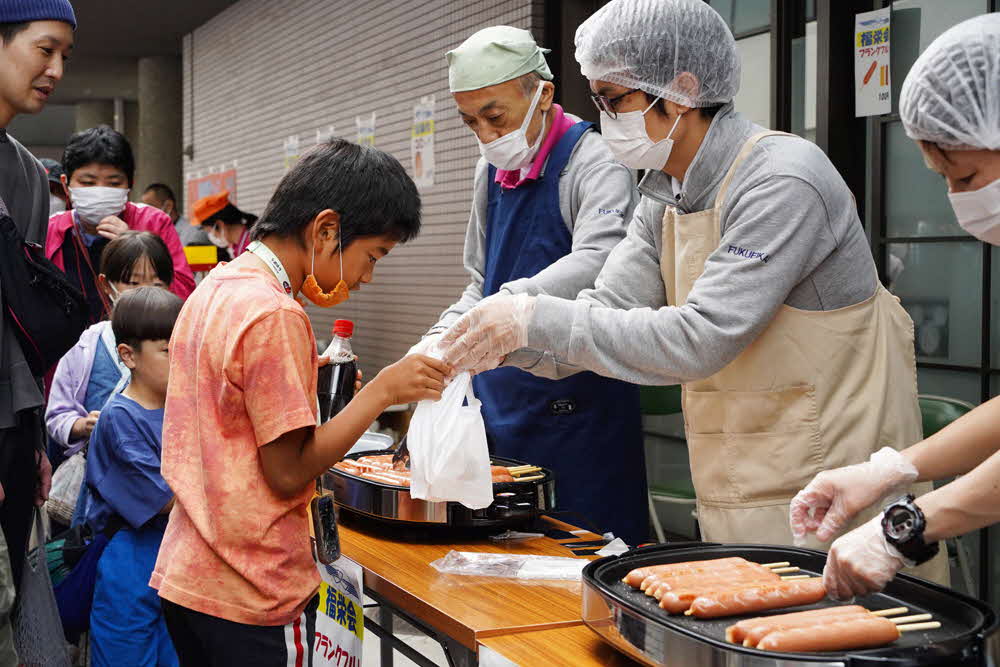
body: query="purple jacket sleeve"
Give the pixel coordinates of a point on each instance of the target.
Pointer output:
(69, 386)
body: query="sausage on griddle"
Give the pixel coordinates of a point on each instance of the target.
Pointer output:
(853, 633)
(748, 600)
(737, 632)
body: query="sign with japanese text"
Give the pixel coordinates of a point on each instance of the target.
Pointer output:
(291, 151)
(199, 185)
(872, 86)
(366, 130)
(422, 142)
(340, 619)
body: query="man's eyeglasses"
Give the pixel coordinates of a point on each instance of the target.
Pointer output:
(607, 104)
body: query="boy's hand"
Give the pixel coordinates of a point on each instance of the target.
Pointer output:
(84, 426)
(112, 227)
(413, 378)
(323, 361)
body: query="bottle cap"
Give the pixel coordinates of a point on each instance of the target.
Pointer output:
(343, 328)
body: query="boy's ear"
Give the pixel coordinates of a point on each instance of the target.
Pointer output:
(326, 230)
(127, 355)
(65, 184)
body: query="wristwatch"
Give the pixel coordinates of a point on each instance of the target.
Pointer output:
(903, 525)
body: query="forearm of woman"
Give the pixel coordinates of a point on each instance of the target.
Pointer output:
(960, 446)
(969, 503)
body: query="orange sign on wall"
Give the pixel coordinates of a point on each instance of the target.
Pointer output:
(210, 184)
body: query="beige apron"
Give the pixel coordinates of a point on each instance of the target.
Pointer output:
(816, 390)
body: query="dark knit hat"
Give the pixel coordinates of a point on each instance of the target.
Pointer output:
(24, 11)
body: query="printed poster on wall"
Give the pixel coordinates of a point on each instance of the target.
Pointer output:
(872, 86)
(202, 186)
(366, 129)
(422, 142)
(325, 135)
(291, 151)
(340, 618)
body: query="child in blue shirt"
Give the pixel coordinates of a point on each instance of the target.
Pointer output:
(130, 500)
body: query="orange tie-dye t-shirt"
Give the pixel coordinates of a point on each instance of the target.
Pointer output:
(243, 367)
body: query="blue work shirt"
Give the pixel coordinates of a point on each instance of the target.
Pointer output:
(123, 465)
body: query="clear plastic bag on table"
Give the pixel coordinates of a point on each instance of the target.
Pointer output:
(66, 483)
(449, 458)
(514, 566)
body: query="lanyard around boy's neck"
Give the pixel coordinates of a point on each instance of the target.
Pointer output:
(273, 263)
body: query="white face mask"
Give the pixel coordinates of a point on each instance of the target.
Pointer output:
(511, 151)
(56, 205)
(978, 211)
(627, 138)
(217, 240)
(93, 204)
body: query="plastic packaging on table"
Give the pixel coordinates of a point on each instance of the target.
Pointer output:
(449, 457)
(513, 566)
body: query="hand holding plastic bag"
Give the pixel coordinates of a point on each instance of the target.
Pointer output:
(449, 458)
(490, 331)
(861, 562)
(834, 497)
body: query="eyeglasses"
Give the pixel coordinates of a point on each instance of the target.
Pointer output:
(607, 104)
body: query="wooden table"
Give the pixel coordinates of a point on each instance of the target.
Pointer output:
(576, 646)
(459, 610)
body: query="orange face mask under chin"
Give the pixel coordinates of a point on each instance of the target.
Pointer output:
(312, 291)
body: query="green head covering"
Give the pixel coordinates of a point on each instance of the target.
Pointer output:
(494, 55)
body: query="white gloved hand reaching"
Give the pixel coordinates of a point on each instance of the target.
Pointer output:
(861, 562)
(834, 497)
(425, 345)
(482, 337)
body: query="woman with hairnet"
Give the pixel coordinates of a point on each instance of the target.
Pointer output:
(745, 276)
(950, 105)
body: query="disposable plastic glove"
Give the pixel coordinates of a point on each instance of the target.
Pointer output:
(861, 562)
(486, 334)
(834, 497)
(425, 345)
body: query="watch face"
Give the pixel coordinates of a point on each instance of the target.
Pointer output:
(899, 523)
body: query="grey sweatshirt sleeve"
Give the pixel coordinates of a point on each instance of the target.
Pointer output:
(782, 217)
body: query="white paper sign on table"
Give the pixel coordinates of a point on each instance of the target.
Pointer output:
(340, 619)
(872, 85)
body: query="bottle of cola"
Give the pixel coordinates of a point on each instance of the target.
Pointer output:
(336, 380)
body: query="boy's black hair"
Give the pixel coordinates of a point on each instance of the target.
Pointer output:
(8, 31)
(162, 190)
(145, 313)
(368, 188)
(102, 145)
(119, 257)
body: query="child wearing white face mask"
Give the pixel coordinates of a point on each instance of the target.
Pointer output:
(91, 372)
(99, 168)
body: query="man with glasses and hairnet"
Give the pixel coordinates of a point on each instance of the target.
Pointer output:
(549, 203)
(950, 106)
(745, 276)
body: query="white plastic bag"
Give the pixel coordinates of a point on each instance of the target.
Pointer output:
(449, 458)
(66, 483)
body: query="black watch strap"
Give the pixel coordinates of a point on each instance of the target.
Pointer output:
(903, 525)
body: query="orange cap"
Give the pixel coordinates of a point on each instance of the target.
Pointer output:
(208, 206)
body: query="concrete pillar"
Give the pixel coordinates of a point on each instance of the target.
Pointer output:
(93, 113)
(160, 114)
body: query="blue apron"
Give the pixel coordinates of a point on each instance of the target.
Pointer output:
(586, 428)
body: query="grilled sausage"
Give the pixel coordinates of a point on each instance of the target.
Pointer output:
(676, 602)
(748, 600)
(738, 632)
(853, 633)
(395, 479)
(500, 474)
(635, 577)
(658, 585)
(758, 633)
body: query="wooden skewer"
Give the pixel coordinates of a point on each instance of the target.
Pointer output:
(890, 612)
(796, 577)
(783, 563)
(932, 625)
(784, 570)
(911, 619)
(529, 479)
(525, 468)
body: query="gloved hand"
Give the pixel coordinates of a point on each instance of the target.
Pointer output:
(861, 562)
(486, 334)
(834, 497)
(425, 344)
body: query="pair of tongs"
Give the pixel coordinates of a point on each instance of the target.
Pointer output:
(401, 456)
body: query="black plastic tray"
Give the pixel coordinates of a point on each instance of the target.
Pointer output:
(966, 623)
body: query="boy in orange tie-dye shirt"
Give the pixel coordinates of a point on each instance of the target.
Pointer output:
(241, 448)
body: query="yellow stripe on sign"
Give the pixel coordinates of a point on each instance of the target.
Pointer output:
(201, 254)
(342, 609)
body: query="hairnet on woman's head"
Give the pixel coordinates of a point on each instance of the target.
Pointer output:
(648, 44)
(951, 96)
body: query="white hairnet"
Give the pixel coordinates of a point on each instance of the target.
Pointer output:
(952, 94)
(646, 44)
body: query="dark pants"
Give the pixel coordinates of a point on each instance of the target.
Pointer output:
(19, 449)
(206, 641)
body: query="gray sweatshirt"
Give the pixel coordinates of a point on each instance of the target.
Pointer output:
(786, 204)
(597, 196)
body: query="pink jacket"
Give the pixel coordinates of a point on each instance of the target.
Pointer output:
(141, 218)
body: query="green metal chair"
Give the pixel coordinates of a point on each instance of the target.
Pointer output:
(936, 412)
(666, 401)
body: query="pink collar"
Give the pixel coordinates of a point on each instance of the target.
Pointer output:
(560, 124)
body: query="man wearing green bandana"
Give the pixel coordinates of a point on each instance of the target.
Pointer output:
(549, 203)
